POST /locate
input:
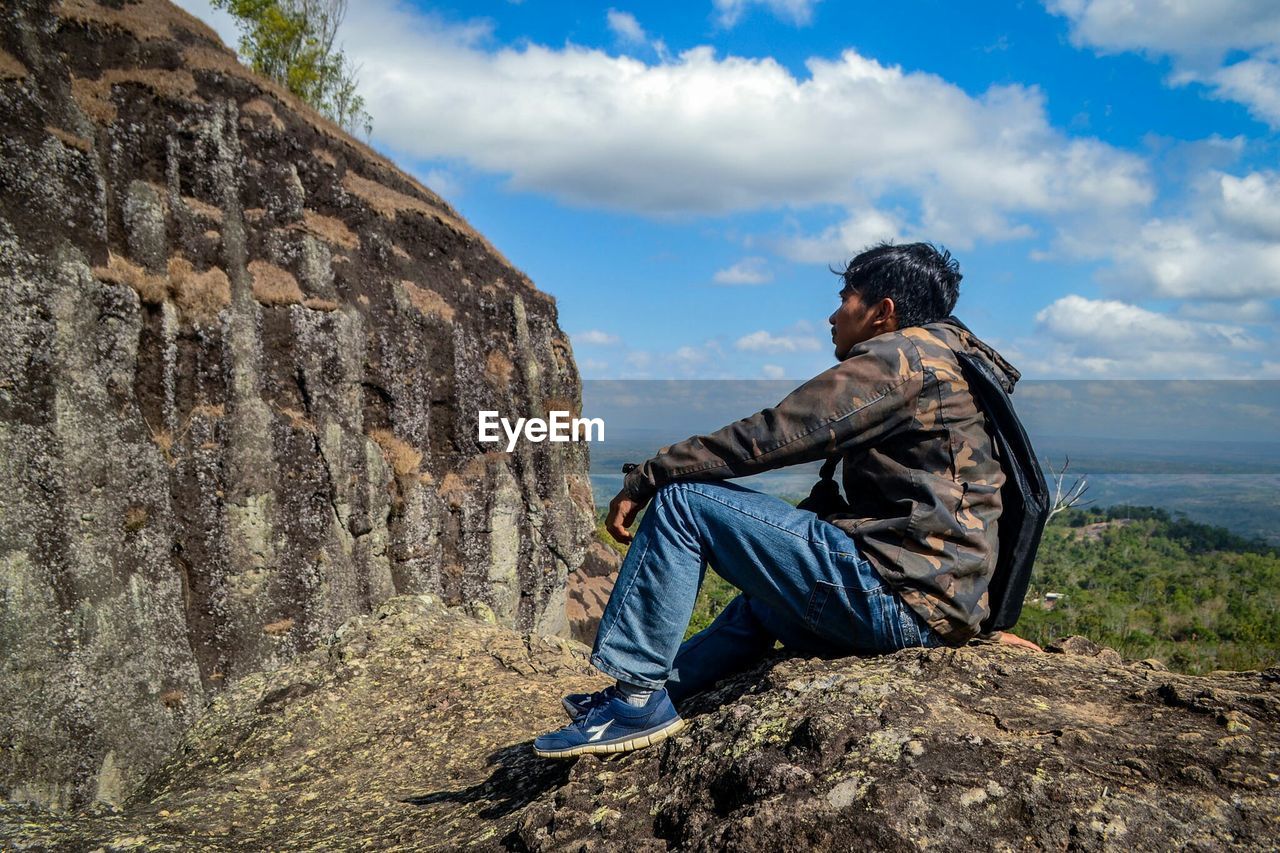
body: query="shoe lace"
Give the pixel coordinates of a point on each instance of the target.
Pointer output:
(600, 697)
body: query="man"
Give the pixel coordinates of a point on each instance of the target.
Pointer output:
(906, 565)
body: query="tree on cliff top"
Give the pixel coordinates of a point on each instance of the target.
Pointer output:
(293, 43)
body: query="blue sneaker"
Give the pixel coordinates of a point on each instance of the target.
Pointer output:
(613, 726)
(576, 705)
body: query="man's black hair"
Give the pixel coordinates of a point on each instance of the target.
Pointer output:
(922, 281)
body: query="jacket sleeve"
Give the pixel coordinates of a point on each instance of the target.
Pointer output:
(860, 401)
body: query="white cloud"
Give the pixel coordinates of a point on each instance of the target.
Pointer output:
(1219, 258)
(700, 133)
(1248, 311)
(625, 27)
(798, 12)
(700, 361)
(1112, 327)
(444, 183)
(1177, 259)
(1198, 36)
(1176, 27)
(1225, 248)
(746, 271)
(838, 242)
(689, 356)
(1254, 82)
(596, 337)
(786, 356)
(1222, 245)
(1252, 203)
(792, 341)
(1105, 338)
(639, 359)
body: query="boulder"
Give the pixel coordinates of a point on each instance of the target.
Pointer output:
(241, 362)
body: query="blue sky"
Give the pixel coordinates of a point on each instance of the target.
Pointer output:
(680, 176)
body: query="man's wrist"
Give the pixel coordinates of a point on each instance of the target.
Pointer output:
(634, 484)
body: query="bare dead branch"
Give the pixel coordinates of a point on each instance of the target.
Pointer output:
(1067, 497)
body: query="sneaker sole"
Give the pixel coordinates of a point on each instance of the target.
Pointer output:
(608, 747)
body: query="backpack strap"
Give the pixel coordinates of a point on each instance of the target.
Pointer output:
(825, 498)
(829, 467)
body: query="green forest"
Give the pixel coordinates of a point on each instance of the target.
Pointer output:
(1140, 580)
(1150, 585)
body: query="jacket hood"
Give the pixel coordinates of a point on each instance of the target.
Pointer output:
(1004, 371)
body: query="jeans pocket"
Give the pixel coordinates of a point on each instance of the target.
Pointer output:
(817, 604)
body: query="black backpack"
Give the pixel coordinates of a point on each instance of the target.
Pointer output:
(1024, 495)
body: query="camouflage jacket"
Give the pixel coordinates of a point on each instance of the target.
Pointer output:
(919, 474)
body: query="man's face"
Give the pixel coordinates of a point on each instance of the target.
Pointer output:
(855, 321)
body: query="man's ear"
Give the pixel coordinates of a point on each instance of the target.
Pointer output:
(887, 314)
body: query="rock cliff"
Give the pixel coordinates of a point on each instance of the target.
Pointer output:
(241, 358)
(410, 729)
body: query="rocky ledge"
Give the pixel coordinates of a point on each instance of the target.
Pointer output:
(410, 728)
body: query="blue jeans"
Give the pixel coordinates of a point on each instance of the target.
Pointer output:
(803, 583)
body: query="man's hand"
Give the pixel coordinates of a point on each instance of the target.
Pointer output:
(622, 513)
(1010, 639)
